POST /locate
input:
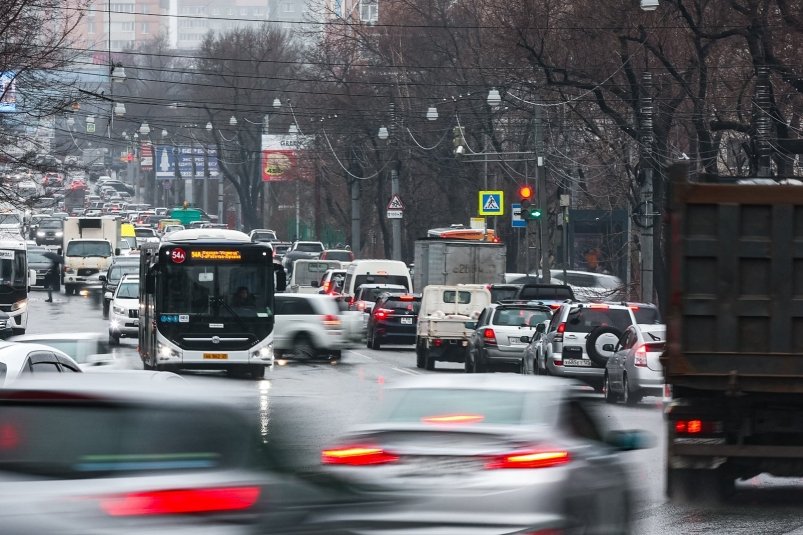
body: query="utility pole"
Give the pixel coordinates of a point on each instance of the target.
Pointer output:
(762, 120)
(540, 188)
(395, 224)
(647, 202)
(355, 216)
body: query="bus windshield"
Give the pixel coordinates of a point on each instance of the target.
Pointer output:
(12, 268)
(217, 290)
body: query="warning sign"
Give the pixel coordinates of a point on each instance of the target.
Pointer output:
(492, 203)
(395, 203)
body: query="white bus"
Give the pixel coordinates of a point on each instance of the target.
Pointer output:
(15, 280)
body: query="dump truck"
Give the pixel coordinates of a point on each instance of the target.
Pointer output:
(734, 355)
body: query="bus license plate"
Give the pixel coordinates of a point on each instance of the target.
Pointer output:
(407, 321)
(216, 356)
(577, 362)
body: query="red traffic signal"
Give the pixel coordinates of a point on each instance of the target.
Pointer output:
(526, 192)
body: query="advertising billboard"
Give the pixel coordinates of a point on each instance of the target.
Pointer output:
(281, 157)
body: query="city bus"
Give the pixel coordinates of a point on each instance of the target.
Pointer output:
(15, 280)
(461, 232)
(206, 302)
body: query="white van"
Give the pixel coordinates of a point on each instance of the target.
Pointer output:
(376, 272)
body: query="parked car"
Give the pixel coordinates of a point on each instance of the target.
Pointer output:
(499, 453)
(308, 326)
(20, 360)
(87, 349)
(501, 334)
(635, 370)
(393, 319)
(124, 316)
(120, 266)
(579, 340)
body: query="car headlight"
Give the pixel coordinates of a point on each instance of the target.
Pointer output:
(19, 305)
(40, 233)
(119, 310)
(69, 270)
(59, 234)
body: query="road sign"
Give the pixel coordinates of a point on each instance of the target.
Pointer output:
(395, 214)
(90, 128)
(395, 203)
(492, 203)
(515, 213)
(165, 163)
(477, 223)
(146, 157)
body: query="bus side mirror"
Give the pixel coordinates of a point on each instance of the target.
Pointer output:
(281, 278)
(150, 283)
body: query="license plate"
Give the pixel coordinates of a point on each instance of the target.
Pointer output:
(136, 323)
(407, 321)
(439, 466)
(578, 362)
(516, 340)
(216, 356)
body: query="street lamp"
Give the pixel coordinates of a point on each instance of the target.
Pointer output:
(70, 122)
(383, 133)
(209, 127)
(164, 133)
(494, 98)
(233, 121)
(432, 113)
(117, 73)
(144, 129)
(649, 5)
(277, 103)
(119, 109)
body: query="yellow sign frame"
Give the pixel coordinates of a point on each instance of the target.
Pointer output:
(491, 202)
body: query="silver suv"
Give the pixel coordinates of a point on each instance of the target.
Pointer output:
(573, 344)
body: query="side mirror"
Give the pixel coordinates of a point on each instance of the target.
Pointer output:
(470, 325)
(102, 278)
(524, 339)
(540, 328)
(607, 347)
(630, 439)
(117, 251)
(108, 295)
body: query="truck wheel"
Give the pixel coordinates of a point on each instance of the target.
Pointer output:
(420, 352)
(429, 362)
(69, 289)
(257, 371)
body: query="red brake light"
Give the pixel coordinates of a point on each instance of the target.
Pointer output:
(406, 298)
(529, 459)
(330, 320)
(697, 427)
(554, 306)
(454, 419)
(182, 501)
(640, 357)
(382, 313)
(562, 328)
(357, 455)
(360, 305)
(489, 336)
(326, 286)
(598, 305)
(633, 307)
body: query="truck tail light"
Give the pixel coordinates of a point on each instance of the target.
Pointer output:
(640, 357)
(694, 426)
(489, 336)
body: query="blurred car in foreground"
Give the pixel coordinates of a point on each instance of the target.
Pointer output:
(87, 349)
(21, 360)
(489, 454)
(121, 453)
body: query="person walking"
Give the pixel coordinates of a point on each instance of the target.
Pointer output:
(52, 278)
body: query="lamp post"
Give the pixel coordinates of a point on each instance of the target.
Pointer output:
(395, 224)
(266, 191)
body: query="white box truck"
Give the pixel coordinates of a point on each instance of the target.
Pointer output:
(90, 244)
(439, 261)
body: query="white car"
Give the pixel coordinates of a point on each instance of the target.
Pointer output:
(590, 286)
(124, 316)
(20, 360)
(310, 325)
(88, 349)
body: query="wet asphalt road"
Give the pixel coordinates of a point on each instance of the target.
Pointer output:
(309, 404)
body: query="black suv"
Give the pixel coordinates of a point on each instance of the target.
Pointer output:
(394, 319)
(548, 294)
(50, 231)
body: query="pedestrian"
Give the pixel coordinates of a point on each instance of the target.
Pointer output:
(52, 277)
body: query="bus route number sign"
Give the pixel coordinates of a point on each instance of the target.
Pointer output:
(178, 255)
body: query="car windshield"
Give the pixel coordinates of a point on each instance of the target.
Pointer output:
(514, 317)
(585, 319)
(112, 440)
(264, 236)
(51, 224)
(548, 292)
(128, 290)
(144, 233)
(12, 267)
(646, 315)
(398, 280)
(498, 294)
(372, 294)
(343, 256)
(309, 247)
(37, 258)
(402, 305)
(89, 248)
(491, 407)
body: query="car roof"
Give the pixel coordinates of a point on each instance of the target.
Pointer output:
(486, 381)
(11, 352)
(57, 336)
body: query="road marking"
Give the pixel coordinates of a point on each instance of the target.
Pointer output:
(408, 372)
(366, 357)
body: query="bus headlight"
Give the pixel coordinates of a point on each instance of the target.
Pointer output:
(264, 353)
(167, 352)
(19, 305)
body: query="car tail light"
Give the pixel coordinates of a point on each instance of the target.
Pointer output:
(330, 321)
(558, 338)
(360, 305)
(437, 342)
(406, 298)
(456, 419)
(382, 313)
(181, 501)
(357, 455)
(640, 357)
(529, 459)
(326, 286)
(554, 306)
(598, 306)
(489, 336)
(633, 307)
(562, 328)
(697, 427)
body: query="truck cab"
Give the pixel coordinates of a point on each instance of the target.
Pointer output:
(90, 244)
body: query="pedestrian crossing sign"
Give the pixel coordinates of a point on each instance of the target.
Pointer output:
(492, 203)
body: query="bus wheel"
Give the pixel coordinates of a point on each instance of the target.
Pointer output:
(257, 371)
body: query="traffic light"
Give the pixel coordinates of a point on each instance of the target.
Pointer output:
(531, 213)
(458, 139)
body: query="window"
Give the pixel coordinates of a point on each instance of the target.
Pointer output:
(121, 8)
(286, 306)
(512, 317)
(126, 26)
(585, 320)
(369, 10)
(145, 9)
(288, 7)
(90, 27)
(45, 367)
(452, 296)
(145, 28)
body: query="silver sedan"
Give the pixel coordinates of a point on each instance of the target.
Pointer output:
(494, 452)
(635, 370)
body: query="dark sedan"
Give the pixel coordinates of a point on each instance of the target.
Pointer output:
(393, 319)
(39, 262)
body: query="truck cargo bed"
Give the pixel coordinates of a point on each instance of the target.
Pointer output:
(735, 303)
